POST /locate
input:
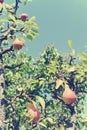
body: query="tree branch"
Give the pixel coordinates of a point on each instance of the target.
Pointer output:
(13, 67)
(7, 50)
(16, 6)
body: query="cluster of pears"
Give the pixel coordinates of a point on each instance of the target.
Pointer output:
(69, 95)
(18, 43)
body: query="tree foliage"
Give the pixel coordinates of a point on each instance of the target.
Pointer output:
(42, 80)
(39, 81)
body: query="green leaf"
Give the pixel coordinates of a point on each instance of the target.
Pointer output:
(19, 22)
(41, 101)
(61, 127)
(58, 83)
(83, 57)
(4, 20)
(53, 63)
(13, 28)
(29, 0)
(41, 81)
(1, 6)
(22, 127)
(51, 69)
(71, 69)
(34, 103)
(1, 28)
(8, 6)
(50, 120)
(42, 124)
(25, 1)
(70, 43)
(35, 32)
(30, 36)
(33, 18)
(32, 81)
(84, 120)
(12, 17)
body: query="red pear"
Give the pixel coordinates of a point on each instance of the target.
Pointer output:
(33, 112)
(1, 1)
(24, 17)
(69, 96)
(36, 115)
(18, 44)
(31, 106)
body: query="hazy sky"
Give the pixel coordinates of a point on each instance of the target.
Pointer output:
(58, 20)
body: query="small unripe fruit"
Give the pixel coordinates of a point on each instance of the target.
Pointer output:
(17, 44)
(1, 1)
(24, 17)
(69, 96)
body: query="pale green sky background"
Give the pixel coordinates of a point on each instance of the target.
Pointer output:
(58, 20)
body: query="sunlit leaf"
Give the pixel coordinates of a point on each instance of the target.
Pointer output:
(22, 127)
(41, 101)
(13, 28)
(83, 56)
(84, 120)
(42, 124)
(34, 103)
(25, 1)
(51, 69)
(1, 6)
(33, 18)
(19, 22)
(4, 20)
(8, 6)
(71, 69)
(30, 36)
(70, 43)
(61, 127)
(58, 83)
(29, 0)
(20, 89)
(12, 17)
(41, 81)
(50, 120)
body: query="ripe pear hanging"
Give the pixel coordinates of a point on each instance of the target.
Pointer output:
(18, 44)
(24, 17)
(69, 96)
(33, 112)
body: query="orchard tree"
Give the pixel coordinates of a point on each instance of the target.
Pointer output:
(14, 29)
(46, 93)
(59, 83)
